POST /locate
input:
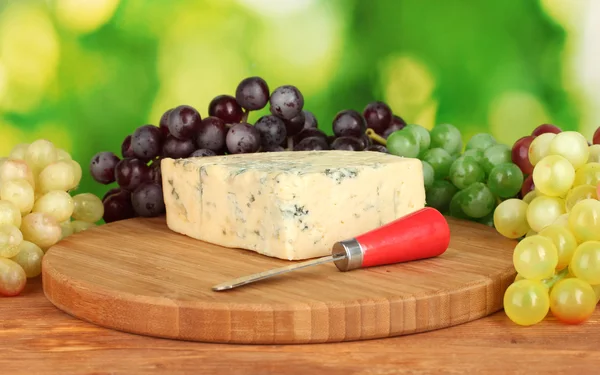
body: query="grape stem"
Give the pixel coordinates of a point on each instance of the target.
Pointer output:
(245, 115)
(290, 143)
(557, 277)
(376, 137)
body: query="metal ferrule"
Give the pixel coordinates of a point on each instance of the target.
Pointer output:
(353, 255)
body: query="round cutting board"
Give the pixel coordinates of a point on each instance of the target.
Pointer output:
(138, 276)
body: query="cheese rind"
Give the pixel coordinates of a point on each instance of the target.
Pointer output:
(289, 205)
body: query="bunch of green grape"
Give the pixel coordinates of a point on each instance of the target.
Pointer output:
(463, 181)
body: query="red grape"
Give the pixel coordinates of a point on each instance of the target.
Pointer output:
(378, 116)
(131, 173)
(310, 121)
(286, 102)
(226, 108)
(102, 167)
(243, 138)
(126, 149)
(146, 142)
(311, 144)
(211, 134)
(295, 125)
(272, 131)
(545, 128)
(176, 148)
(183, 121)
(117, 206)
(252, 93)
(378, 148)
(527, 185)
(596, 138)
(397, 124)
(163, 124)
(147, 200)
(202, 152)
(349, 122)
(520, 154)
(347, 143)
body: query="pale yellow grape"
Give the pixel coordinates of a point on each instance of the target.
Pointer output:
(597, 291)
(29, 258)
(41, 229)
(16, 170)
(10, 239)
(585, 263)
(510, 218)
(529, 196)
(88, 207)
(77, 172)
(39, 154)
(584, 220)
(553, 176)
(540, 147)
(57, 203)
(66, 228)
(20, 193)
(10, 214)
(565, 243)
(579, 193)
(535, 258)
(572, 146)
(18, 152)
(62, 154)
(80, 226)
(531, 233)
(543, 211)
(59, 175)
(594, 154)
(588, 174)
(562, 220)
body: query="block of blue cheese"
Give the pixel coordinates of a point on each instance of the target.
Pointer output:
(289, 205)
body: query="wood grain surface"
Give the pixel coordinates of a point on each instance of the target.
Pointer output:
(36, 338)
(137, 276)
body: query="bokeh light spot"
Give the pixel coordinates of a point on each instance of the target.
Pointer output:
(84, 16)
(277, 8)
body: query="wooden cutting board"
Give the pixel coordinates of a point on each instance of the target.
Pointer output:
(138, 276)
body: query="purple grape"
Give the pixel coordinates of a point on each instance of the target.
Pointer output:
(126, 149)
(295, 125)
(243, 138)
(118, 206)
(365, 141)
(183, 121)
(346, 143)
(146, 142)
(202, 152)
(226, 108)
(349, 122)
(147, 200)
(176, 148)
(102, 167)
(111, 192)
(310, 121)
(378, 116)
(330, 139)
(310, 132)
(155, 171)
(131, 173)
(211, 134)
(397, 124)
(311, 144)
(163, 124)
(252, 93)
(286, 102)
(274, 149)
(272, 131)
(378, 148)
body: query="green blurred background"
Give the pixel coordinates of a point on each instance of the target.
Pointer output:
(85, 73)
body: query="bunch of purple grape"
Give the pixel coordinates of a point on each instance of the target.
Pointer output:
(182, 133)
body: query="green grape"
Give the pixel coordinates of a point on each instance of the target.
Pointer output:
(475, 154)
(439, 195)
(510, 218)
(526, 302)
(585, 263)
(455, 206)
(446, 136)
(402, 143)
(487, 220)
(428, 174)
(535, 257)
(421, 135)
(478, 201)
(495, 155)
(505, 180)
(565, 243)
(481, 142)
(572, 301)
(465, 171)
(440, 160)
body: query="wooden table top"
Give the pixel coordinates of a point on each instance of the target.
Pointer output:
(36, 338)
